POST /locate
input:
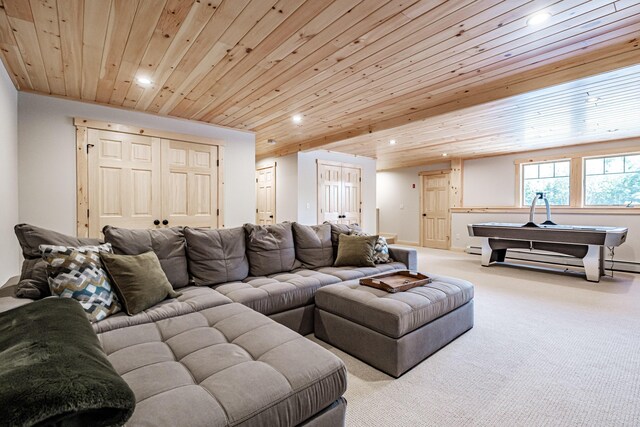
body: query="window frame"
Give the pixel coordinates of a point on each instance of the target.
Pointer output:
(576, 176)
(584, 176)
(522, 178)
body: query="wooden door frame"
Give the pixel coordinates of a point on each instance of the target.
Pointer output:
(82, 162)
(319, 189)
(420, 211)
(273, 165)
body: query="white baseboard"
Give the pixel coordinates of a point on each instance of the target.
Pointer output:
(559, 259)
(407, 243)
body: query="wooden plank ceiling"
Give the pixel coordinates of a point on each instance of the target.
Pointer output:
(348, 67)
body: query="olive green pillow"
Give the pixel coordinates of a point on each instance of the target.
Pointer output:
(356, 251)
(138, 280)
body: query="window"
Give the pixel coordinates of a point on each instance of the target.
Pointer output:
(552, 178)
(612, 181)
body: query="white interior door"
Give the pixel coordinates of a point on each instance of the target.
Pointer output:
(266, 195)
(329, 193)
(124, 180)
(189, 184)
(435, 211)
(351, 195)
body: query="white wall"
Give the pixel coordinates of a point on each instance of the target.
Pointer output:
(399, 202)
(9, 248)
(47, 162)
(286, 186)
(308, 186)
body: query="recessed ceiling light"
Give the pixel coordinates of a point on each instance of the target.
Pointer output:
(593, 99)
(444, 154)
(392, 142)
(297, 118)
(538, 18)
(144, 81)
(271, 141)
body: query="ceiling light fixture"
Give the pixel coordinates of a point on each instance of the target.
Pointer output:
(593, 99)
(297, 118)
(392, 142)
(271, 141)
(144, 81)
(538, 18)
(444, 154)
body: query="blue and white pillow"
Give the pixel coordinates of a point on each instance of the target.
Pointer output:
(76, 272)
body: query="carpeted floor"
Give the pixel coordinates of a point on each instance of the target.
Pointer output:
(546, 350)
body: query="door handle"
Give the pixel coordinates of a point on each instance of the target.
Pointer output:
(165, 222)
(424, 214)
(156, 222)
(270, 216)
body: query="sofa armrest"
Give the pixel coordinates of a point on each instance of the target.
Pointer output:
(407, 256)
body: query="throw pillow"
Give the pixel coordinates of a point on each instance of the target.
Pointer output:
(138, 280)
(34, 283)
(381, 250)
(167, 243)
(216, 256)
(355, 251)
(337, 230)
(270, 248)
(77, 273)
(313, 245)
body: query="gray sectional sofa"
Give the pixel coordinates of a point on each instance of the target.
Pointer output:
(229, 350)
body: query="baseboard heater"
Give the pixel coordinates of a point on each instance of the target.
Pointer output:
(559, 259)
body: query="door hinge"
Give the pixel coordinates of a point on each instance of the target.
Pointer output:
(218, 163)
(217, 212)
(256, 180)
(360, 179)
(360, 210)
(89, 146)
(87, 213)
(256, 210)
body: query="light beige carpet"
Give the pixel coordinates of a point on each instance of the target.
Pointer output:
(546, 350)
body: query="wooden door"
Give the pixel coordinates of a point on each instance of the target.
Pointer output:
(435, 211)
(329, 193)
(189, 184)
(266, 195)
(124, 180)
(351, 197)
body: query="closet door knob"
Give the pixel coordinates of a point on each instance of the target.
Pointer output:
(156, 222)
(165, 222)
(270, 216)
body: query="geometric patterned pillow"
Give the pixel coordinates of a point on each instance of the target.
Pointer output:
(381, 249)
(76, 272)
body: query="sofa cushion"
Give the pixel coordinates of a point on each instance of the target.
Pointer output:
(313, 245)
(337, 230)
(77, 273)
(33, 280)
(138, 280)
(395, 314)
(226, 365)
(278, 292)
(350, 273)
(270, 248)
(216, 256)
(193, 299)
(167, 243)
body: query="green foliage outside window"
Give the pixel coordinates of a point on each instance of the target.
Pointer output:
(551, 178)
(612, 181)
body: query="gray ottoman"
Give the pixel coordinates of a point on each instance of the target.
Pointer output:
(393, 332)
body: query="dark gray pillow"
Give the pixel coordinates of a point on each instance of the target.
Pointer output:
(270, 248)
(313, 245)
(216, 256)
(33, 279)
(337, 230)
(167, 243)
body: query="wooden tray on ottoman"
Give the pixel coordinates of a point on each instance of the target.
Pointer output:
(398, 281)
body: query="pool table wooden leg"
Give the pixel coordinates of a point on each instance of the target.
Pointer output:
(593, 263)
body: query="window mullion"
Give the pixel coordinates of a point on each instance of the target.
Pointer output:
(576, 183)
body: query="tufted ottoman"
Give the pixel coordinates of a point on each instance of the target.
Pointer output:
(394, 332)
